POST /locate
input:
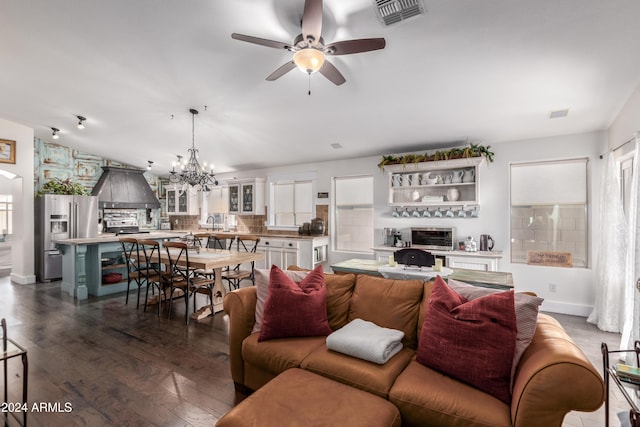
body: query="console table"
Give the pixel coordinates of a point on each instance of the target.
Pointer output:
(630, 391)
(487, 279)
(11, 349)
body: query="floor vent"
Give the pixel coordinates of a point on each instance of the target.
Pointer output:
(392, 11)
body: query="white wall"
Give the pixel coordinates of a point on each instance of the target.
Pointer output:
(574, 286)
(22, 252)
(627, 122)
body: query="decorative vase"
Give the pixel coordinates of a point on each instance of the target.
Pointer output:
(453, 194)
(317, 227)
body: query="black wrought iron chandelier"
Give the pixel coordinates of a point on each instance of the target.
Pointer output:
(190, 172)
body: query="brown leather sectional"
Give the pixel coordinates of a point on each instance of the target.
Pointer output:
(552, 378)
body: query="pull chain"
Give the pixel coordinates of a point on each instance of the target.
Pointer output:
(309, 93)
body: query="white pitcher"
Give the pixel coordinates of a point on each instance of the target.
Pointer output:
(469, 175)
(457, 175)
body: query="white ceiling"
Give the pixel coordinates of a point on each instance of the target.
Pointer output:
(481, 70)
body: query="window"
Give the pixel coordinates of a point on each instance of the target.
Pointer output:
(291, 200)
(6, 210)
(549, 213)
(353, 223)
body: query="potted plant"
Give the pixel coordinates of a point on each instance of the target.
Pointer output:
(471, 150)
(60, 186)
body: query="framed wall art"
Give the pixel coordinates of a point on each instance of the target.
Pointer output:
(7, 151)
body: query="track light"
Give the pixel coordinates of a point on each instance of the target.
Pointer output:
(80, 120)
(55, 133)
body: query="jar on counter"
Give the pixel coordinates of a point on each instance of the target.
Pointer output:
(470, 245)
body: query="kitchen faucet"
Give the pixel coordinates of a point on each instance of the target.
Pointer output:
(213, 222)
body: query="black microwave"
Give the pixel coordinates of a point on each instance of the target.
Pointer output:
(440, 238)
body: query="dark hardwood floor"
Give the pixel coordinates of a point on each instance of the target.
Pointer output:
(115, 365)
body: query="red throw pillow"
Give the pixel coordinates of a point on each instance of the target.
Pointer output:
(295, 309)
(472, 341)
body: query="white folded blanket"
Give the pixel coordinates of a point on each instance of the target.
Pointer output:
(366, 340)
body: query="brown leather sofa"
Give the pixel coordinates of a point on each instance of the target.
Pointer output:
(552, 378)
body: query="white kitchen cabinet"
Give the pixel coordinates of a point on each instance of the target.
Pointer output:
(182, 202)
(472, 262)
(246, 197)
(218, 199)
(283, 252)
(480, 260)
(446, 183)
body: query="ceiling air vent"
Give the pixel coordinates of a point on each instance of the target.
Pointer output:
(392, 11)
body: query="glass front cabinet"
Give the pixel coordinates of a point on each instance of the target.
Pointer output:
(246, 197)
(182, 202)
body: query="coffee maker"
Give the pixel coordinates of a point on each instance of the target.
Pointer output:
(388, 236)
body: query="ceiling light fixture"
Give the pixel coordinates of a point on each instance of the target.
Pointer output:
(190, 172)
(309, 60)
(55, 133)
(149, 164)
(80, 120)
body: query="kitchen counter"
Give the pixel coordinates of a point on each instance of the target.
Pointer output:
(477, 260)
(112, 237)
(82, 269)
(487, 254)
(232, 234)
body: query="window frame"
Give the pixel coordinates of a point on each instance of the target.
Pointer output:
(334, 215)
(283, 178)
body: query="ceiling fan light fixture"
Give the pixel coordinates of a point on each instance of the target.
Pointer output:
(309, 60)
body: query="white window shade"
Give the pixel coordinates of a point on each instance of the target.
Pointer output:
(354, 191)
(548, 183)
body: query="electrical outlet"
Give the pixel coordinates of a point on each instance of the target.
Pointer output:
(552, 287)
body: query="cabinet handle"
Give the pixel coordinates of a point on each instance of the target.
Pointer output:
(266, 243)
(290, 244)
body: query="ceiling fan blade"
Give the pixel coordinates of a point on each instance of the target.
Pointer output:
(261, 42)
(312, 21)
(331, 72)
(355, 46)
(284, 69)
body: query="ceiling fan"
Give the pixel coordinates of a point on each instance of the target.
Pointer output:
(309, 49)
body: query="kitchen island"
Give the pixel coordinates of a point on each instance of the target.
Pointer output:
(82, 269)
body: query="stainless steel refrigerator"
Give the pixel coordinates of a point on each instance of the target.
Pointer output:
(61, 217)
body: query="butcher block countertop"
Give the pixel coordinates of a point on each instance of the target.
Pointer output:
(173, 234)
(112, 237)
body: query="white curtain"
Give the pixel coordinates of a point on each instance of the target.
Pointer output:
(608, 313)
(631, 329)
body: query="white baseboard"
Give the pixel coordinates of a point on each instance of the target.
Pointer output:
(566, 308)
(23, 280)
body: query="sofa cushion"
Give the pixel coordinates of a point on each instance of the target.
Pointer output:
(526, 306)
(295, 309)
(278, 355)
(262, 289)
(358, 373)
(339, 292)
(388, 303)
(425, 394)
(472, 341)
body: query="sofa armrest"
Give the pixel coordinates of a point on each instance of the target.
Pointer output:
(553, 378)
(240, 305)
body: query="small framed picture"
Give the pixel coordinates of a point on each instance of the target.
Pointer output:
(7, 151)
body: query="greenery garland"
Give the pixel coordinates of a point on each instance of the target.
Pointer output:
(472, 150)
